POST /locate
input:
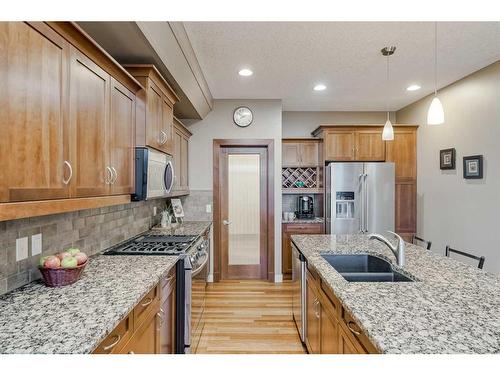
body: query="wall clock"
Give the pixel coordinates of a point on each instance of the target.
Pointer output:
(242, 116)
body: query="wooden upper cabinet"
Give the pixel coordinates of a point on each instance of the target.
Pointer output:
(181, 137)
(339, 145)
(300, 153)
(122, 139)
(89, 111)
(369, 145)
(403, 151)
(156, 130)
(33, 115)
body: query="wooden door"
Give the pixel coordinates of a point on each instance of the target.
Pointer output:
(184, 183)
(339, 145)
(287, 231)
(369, 145)
(167, 125)
(146, 339)
(33, 116)
(244, 210)
(313, 314)
(403, 152)
(309, 154)
(89, 118)
(329, 333)
(122, 139)
(154, 117)
(177, 159)
(290, 154)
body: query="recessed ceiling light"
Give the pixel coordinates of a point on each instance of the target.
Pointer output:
(413, 88)
(319, 87)
(245, 72)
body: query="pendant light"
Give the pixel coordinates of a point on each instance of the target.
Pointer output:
(388, 132)
(435, 115)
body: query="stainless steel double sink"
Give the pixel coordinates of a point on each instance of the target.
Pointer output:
(364, 268)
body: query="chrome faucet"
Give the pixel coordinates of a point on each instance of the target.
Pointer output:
(398, 250)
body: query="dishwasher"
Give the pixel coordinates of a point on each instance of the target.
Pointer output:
(299, 290)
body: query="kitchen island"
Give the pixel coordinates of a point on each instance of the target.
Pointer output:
(449, 308)
(76, 318)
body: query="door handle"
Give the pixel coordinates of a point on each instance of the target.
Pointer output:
(109, 176)
(68, 164)
(115, 174)
(226, 222)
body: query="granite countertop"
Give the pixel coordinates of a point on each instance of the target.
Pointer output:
(451, 308)
(75, 318)
(316, 220)
(187, 228)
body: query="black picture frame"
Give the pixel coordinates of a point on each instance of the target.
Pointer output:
(443, 154)
(473, 167)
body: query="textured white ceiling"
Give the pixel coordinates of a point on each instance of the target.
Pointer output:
(288, 58)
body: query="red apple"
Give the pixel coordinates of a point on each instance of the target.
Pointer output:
(81, 258)
(42, 260)
(63, 255)
(52, 262)
(69, 262)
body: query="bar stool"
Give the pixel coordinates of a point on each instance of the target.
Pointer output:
(415, 240)
(480, 259)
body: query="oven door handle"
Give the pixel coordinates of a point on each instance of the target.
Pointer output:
(198, 269)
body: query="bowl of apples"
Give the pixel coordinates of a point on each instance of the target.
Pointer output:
(64, 268)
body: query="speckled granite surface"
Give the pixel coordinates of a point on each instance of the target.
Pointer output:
(452, 308)
(316, 220)
(75, 318)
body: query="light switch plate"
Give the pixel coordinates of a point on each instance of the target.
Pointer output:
(154, 211)
(208, 208)
(21, 248)
(36, 244)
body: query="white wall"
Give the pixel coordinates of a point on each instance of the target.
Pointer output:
(218, 124)
(301, 124)
(452, 210)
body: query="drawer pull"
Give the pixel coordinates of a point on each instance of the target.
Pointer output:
(149, 301)
(111, 346)
(349, 323)
(131, 352)
(160, 317)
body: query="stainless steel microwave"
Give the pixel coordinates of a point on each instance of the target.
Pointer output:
(154, 174)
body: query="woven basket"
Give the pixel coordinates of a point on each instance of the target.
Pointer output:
(61, 276)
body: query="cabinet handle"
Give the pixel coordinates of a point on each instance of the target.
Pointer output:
(131, 352)
(109, 176)
(316, 308)
(68, 164)
(115, 174)
(349, 323)
(161, 319)
(150, 300)
(111, 346)
(163, 137)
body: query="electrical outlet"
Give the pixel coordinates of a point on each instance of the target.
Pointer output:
(154, 211)
(36, 244)
(208, 208)
(21, 248)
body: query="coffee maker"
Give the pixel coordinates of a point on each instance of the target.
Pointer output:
(305, 207)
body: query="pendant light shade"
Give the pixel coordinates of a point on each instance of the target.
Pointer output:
(388, 132)
(435, 115)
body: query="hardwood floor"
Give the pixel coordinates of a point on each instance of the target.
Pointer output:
(249, 317)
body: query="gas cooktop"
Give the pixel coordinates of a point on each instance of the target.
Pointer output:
(153, 244)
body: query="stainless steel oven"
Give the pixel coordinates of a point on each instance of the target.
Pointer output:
(196, 285)
(154, 174)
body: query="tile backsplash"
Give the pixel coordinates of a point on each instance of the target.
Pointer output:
(91, 231)
(195, 205)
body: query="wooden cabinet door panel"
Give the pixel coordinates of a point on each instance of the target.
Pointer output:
(184, 183)
(177, 159)
(369, 145)
(167, 125)
(309, 154)
(154, 118)
(89, 111)
(406, 195)
(313, 313)
(403, 152)
(329, 334)
(146, 339)
(339, 145)
(167, 312)
(345, 344)
(33, 116)
(290, 154)
(122, 138)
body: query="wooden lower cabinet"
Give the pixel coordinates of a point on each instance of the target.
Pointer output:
(150, 327)
(286, 247)
(330, 329)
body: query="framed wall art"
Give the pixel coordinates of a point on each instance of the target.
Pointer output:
(473, 166)
(447, 158)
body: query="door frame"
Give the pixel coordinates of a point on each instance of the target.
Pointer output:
(217, 219)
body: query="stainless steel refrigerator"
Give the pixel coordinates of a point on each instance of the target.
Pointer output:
(359, 197)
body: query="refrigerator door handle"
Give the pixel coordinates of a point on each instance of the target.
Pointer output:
(365, 219)
(361, 203)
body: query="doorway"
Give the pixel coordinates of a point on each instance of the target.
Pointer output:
(243, 209)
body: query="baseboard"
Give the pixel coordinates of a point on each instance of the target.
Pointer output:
(210, 278)
(278, 278)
